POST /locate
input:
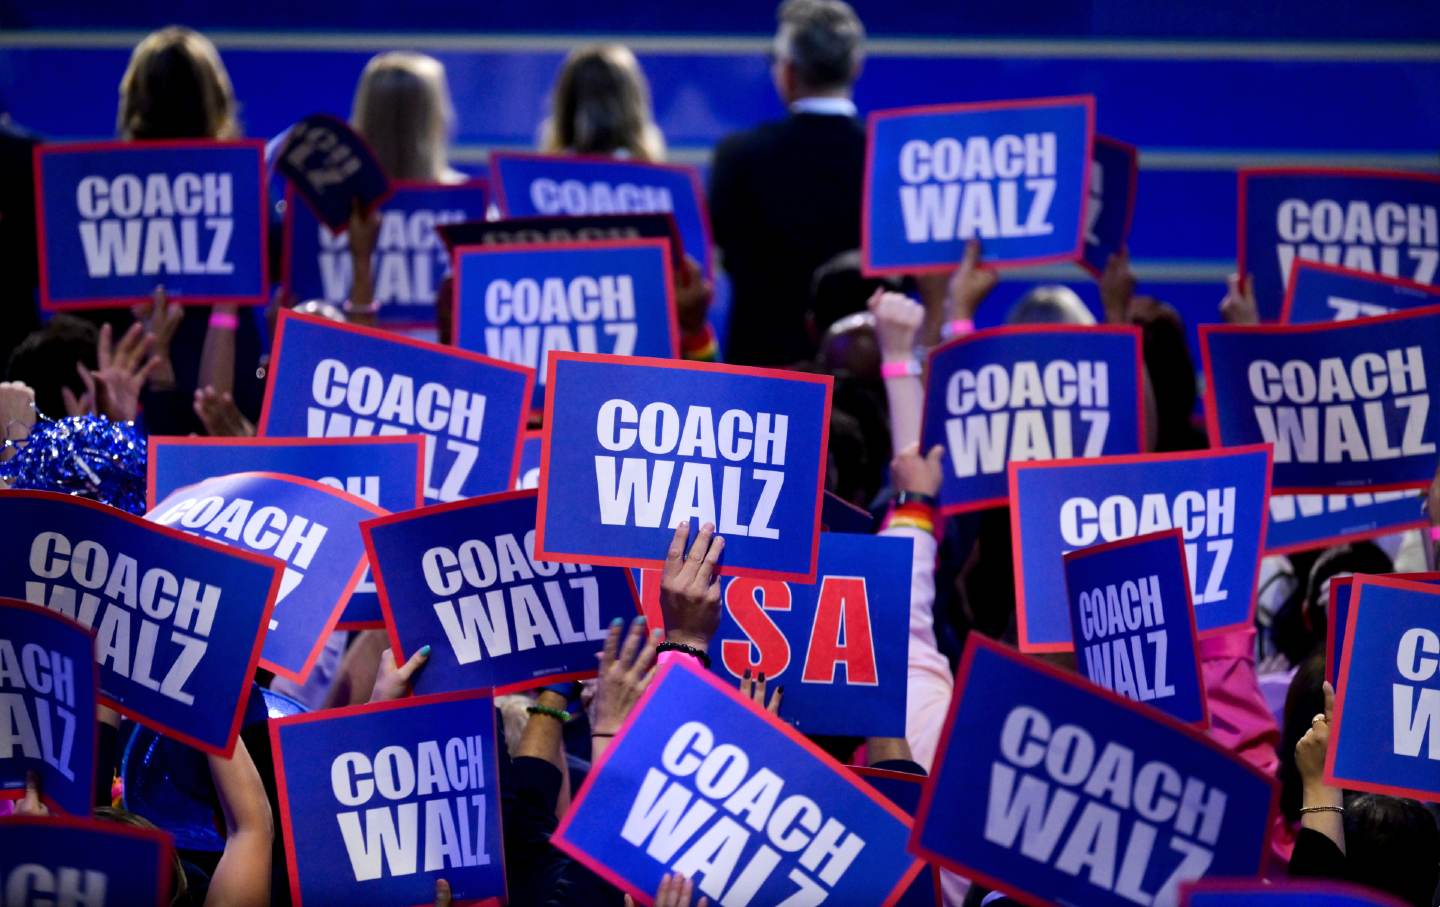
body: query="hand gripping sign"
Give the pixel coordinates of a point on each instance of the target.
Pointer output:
(704, 783)
(1134, 623)
(1320, 292)
(313, 528)
(1110, 204)
(1353, 406)
(1215, 497)
(48, 686)
(62, 860)
(531, 185)
(904, 791)
(1338, 615)
(463, 578)
(1266, 893)
(839, 646)
(1012, 174)
(116, 219)
(178, 621)
(386, 471)
(1055, 790)
(379, 801)
(634, 447)
(1029, 392)
(519, 303)
(1385, 222)
(409, 262)
(332, 168)
(1385, 733)
(337, 381)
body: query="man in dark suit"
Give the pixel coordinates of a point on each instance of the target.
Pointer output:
(785, 196)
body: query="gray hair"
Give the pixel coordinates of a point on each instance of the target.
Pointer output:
(824, 40)
(1050, 304)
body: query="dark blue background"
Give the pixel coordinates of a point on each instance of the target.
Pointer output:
(996, 685)
(1041, 346)
(1041, 490)
(889, 246)
(1162, 556)
(400, 548)
(394, 465)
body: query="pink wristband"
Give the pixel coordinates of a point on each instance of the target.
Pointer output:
(1435, 533)
(671, 655)
(225, 321)
(957, 328)
(901, 368)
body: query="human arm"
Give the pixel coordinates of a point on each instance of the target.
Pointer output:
(1322, 807)
(392, 681)
(954, 299)
(121, 370)
(1238, 306)
(17, 417)
(220, 416)
(161, 318)
(363, 233)
(624, 673)
(1117, 287)
(242, 877)
(693, 295)
(897, 320)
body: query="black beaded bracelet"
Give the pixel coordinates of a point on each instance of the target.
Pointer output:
(693, 652)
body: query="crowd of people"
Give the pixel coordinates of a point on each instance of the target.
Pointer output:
(785, 204)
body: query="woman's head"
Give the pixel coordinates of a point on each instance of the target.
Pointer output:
(178, 885)
(402, 108)
(1392, 845)
(176, 88)
(601, 105)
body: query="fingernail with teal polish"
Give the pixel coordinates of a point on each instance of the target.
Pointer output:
(618, 622)
(425, 651)
(640, 621)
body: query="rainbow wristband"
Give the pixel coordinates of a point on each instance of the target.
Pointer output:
(700, 346)
(912, 515)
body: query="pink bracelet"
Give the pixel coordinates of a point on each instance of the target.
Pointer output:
(1435, 533)
(900, 368)
(225, 321)
(957, 328)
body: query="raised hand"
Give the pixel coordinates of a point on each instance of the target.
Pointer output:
(970, 284)
(693, 294)
(753, 688)
(689, 593)
(897, 321)
(161, 319)
(1238, 306)
(393, 682)
(113, 388)
(912, 472)
(623, 675)
(220, 416)
(1117, 287)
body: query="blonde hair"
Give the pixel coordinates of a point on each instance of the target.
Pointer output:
(402, 108)
(601, 105)
(176, 88)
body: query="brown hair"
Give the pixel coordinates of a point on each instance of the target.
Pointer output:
(179, 886)
(176, 88)
(402, 108)
(601, 104)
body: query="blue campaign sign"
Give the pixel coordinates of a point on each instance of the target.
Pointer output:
(701, 782)
(379, 801)
(529, 476)
(531, 185)
(117, 219)
(567, 228)
(1349, 406)
(61, 860)
(332, 168)
(1320, 292)
(1013, 174)
(839, 646)
(330, 380)
(313, 528)
(634, 447)
(48, 687)
(1029, 392)
(1110, 205)
(1265, 893)
(904, 791)
(1386, 222)
(1388, 739)
(839, 515)
(463, 579)
(1054, 790)
(386, 471)
(1216, 497)
(1302, 521)
(520, 303)
(178, 620)
(409, 262)
(1134, 623)
(1338, 615)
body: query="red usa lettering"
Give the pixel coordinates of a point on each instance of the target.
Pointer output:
(1201, 517)
(1417, 708)
(90, 576)
(1011, 419)
(386, 840)
(842, 612)
(966, 190)
(374, 403)
(1045, 774)
(1394, 380)
(635, 490)
(485, 621)
(667, 815)
(575, 197)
